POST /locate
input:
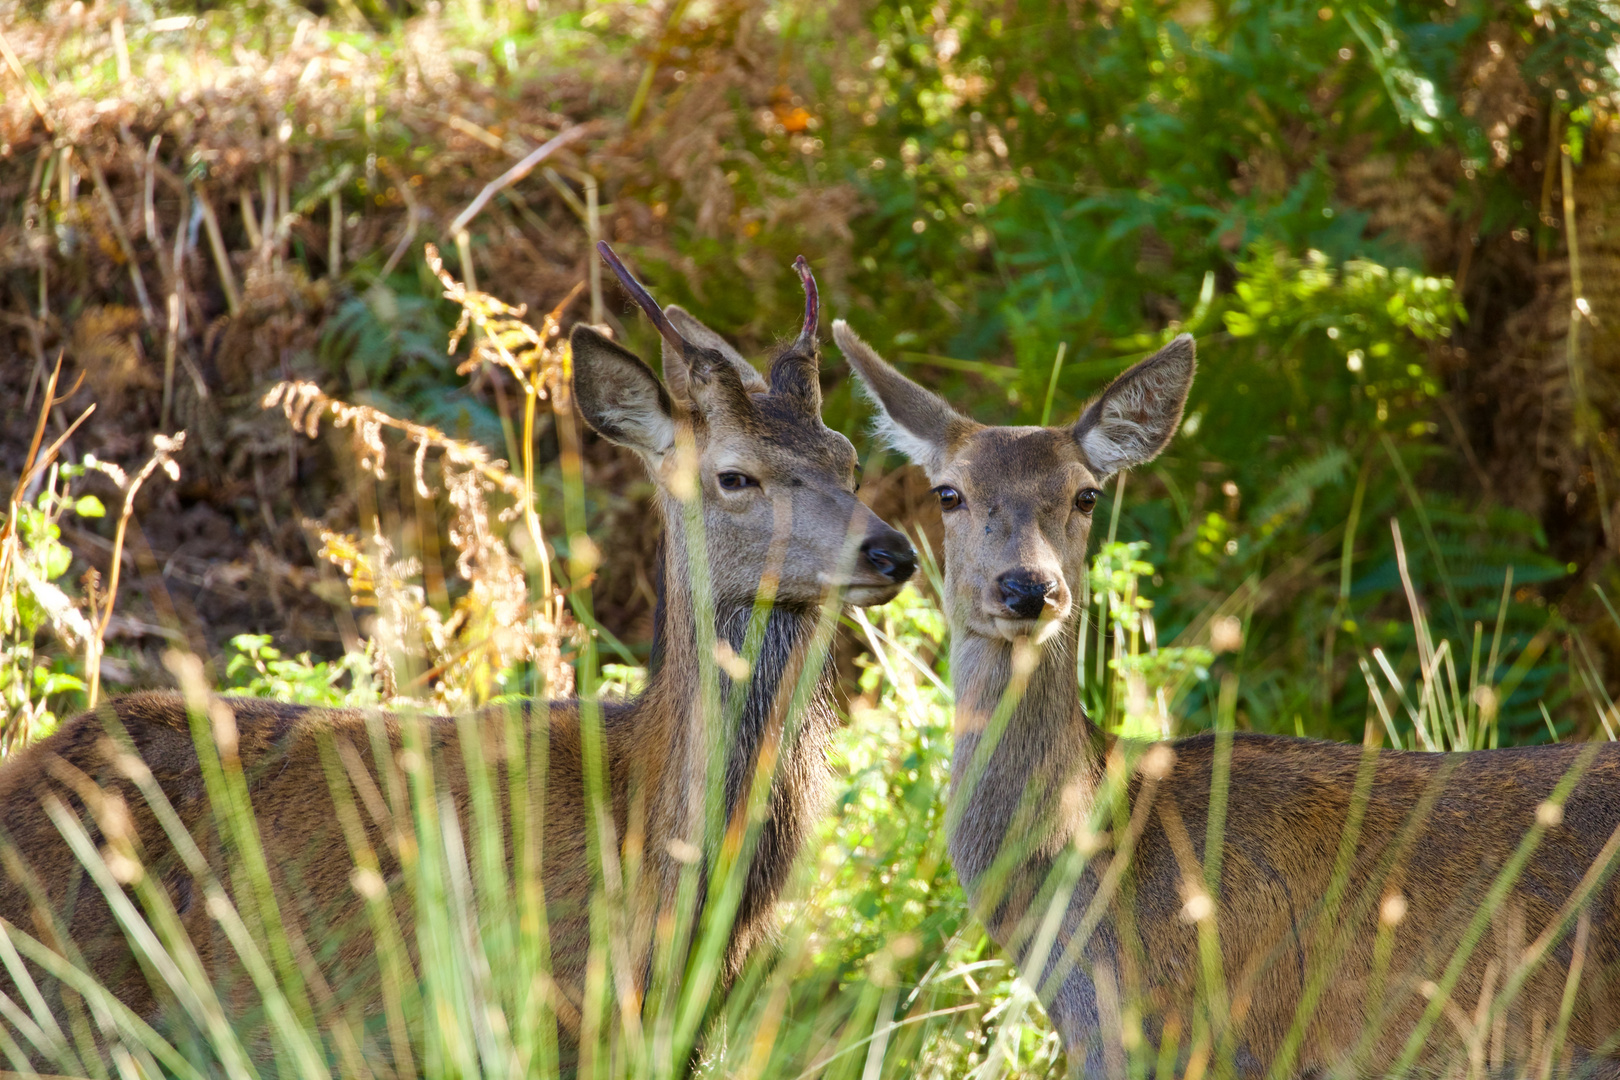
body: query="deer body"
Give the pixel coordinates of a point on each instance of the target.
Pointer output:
(653, 758)
(779, 517)
(1354, 901)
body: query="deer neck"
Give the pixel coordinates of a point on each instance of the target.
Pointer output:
(759, 732)
(1023, 782)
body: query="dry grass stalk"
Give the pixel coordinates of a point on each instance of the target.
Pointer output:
(304, 402)
(164, 450)
(494, 624)
(537, 359)
(17, 565)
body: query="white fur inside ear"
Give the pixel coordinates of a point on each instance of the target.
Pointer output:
(648, 430)
(891, 434)
(1137, 419)
(869, 366)
(888, 430)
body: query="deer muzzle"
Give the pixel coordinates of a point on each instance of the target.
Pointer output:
(1026, 601)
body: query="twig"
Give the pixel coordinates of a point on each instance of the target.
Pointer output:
(593, 229)
(124, 243)
(285, 214)
(677, 11)
(413, 217)
(518, 172)
(120, 48)
(1579, 312)
(1544, 218)
(18, 70)
(401, 247)
(589, 213)
(334, 241)
(164, 448)
(34, 462)
(149, 195)
(177, 309)
(222, 261)
(250, 223)
(331, 186)
(267, 222)
(464, 250)
(168, 357)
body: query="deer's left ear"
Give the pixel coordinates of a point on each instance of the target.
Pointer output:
(619, 395)
(1133, 420)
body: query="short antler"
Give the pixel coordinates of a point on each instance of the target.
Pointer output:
(638, 292)
(793, 373)
(812, 306)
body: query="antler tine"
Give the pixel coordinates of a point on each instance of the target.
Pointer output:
(641, 296)
(812, 305)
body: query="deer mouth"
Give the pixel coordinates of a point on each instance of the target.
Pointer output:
(862, 594)
(1038, 630)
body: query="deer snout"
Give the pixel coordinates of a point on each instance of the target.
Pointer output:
(1024, 592)
(891, 555)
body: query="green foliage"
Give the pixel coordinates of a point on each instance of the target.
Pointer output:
(1132, 684)
(37, 684)
(388, 342)
(257, 669)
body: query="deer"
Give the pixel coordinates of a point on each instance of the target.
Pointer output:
(1284, 906)
(783, 532)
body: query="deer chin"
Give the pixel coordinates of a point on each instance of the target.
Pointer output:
(857, 595)
(1038, 631)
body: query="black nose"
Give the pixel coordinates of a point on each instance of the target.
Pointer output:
(1025, 593)
(891, 556)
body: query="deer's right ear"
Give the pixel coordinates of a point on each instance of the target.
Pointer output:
(619, 395)
(915, 421)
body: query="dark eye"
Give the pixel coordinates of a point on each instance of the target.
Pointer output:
(949, 497)
(1086, 501)
(736, 481)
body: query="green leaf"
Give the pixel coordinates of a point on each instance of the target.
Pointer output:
(56, 560)
(89, 506)
(1239, 324)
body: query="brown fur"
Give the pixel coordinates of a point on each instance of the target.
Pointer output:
(795, 530)
(1434, 830)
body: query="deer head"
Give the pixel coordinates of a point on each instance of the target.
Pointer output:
(777, 486)
(1017, 501)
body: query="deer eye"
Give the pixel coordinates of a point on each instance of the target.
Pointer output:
(949, 498)
(1086, 501)
(736, 481)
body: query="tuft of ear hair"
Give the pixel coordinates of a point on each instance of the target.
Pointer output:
(912, 420)
(619, 395)
(1133, 420)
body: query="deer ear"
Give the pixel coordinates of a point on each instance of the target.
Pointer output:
(703, 337)
(619, 395)
(914, 421)
(1135, 417)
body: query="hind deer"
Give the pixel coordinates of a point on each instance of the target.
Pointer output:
(1357, 912)
(775, 499)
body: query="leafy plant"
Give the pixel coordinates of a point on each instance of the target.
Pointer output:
(256, 668)
(36, 687)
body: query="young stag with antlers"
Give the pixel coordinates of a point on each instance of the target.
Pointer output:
(1359, 912)
(745, 464)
